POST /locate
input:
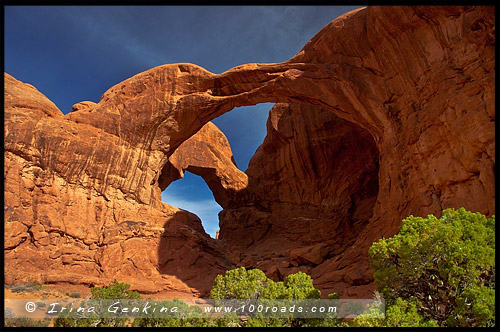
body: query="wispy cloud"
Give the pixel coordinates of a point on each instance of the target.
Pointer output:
(101, 27)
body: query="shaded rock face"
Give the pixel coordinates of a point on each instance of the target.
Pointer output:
(312, 187)
(386, 112)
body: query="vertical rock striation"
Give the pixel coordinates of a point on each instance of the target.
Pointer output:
(312, 187)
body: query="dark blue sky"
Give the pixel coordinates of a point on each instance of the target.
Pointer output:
(75, 53)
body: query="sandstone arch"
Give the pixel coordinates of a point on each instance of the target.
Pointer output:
(408, 76)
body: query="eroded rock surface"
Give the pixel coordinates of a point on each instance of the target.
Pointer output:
(411, 131)
(66, 223)
(312, 187)
(208, 155)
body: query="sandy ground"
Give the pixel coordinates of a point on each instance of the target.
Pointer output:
(45, 292)
(63, 291)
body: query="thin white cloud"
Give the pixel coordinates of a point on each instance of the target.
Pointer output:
(100, 27)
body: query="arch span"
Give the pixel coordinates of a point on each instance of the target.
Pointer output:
(308, 192)
(384, 78)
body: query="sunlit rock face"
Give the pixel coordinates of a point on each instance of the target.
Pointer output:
(69, 217)
(386, 112)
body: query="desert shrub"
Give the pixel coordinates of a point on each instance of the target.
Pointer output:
(241, 283)
(75, 295)
(438, 271)
(22, 321)
(184, 316)
(29, 287)
(400, 314)
(114, 291)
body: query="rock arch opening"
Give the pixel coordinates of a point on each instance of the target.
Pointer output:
(182, 188)
(192, 194)
(244, 141)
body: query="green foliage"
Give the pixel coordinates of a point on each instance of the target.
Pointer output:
(374, 317)
(26, 322)
(114, 291)
(241, 283)
(66, 320)
(404, 314)
(438, 271)
(74, 295)
(333, 296)
(29, 287)
(300, 286)
(184, 315)
(401, 314)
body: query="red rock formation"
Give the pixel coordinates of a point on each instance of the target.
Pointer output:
(420, 81)
(414, 87)
(65, 226)
(312, 187)
(208, 155)
(26, 100)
